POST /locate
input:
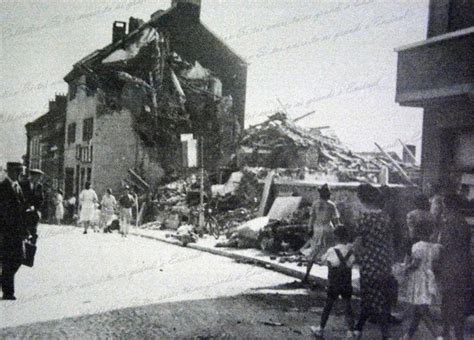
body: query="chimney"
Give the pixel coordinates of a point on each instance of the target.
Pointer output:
(61, 102)
(134, 23)
(190, 9)
(119, 30)
(52, 106)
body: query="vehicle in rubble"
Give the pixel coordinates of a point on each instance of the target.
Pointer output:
(277, 233)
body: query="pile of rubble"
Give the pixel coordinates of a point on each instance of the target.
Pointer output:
(297, 152)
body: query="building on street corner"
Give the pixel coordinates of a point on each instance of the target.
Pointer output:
(129, 102)
(437, 74)
(45, 142)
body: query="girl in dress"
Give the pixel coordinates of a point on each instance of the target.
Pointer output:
(59, 206)
(422, 290)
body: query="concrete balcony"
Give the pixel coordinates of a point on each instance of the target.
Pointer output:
(436, 70)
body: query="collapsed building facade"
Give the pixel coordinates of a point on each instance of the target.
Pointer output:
(278, 143)
(129, 102)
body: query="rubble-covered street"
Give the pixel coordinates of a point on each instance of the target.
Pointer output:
(203, 169)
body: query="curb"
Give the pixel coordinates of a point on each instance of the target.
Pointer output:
(238, 257)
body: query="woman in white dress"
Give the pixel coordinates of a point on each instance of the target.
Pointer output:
(108, 205)
(87, 200)
(324, 218)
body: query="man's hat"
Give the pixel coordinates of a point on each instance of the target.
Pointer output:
(14, 165)
(36, 172)
(324, 189)
(126, 187)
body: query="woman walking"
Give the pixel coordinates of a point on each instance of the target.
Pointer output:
(87, 200)
(373, 252)
(126, 202)
(59, 206)
(324, 218)
(108, 205)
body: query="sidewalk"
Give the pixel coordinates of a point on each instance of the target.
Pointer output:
(318, 273)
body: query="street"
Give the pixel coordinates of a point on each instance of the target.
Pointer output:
(105, 286)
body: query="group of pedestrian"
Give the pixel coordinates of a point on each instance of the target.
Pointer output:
(100, 219)
(21, 198)
(437, 267)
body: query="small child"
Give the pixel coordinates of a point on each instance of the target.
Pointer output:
(422, 291)
(339, 259)
(96, 219)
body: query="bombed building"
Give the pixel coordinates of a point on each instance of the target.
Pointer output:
(129, 102)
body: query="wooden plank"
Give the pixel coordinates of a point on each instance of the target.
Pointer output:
(138, 179)
(266, 193)
(396, 165)
(408, 151)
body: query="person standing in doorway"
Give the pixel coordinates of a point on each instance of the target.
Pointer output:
(126, 203)
(87, 201)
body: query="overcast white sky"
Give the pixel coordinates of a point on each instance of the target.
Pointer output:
(334, 57)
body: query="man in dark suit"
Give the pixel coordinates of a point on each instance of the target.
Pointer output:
(12, 229)
(34, 198)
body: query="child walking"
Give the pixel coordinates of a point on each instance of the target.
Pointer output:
(422, 290)
(339, 260)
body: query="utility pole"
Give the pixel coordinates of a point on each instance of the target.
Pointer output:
(201, 188)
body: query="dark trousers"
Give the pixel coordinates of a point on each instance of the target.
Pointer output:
(452, 312)
(348, 310)
(9, 269)
(383, 321)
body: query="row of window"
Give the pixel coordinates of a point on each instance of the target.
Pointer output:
(75, 179)
(84, 153)
(87, 131)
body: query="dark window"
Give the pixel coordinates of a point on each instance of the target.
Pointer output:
(78, 188)
(69, 182)
(89, 175)
(83, 178)
(71, 133)
(87, 129)
(78, 152)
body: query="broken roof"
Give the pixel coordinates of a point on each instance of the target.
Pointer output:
(159, 20)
